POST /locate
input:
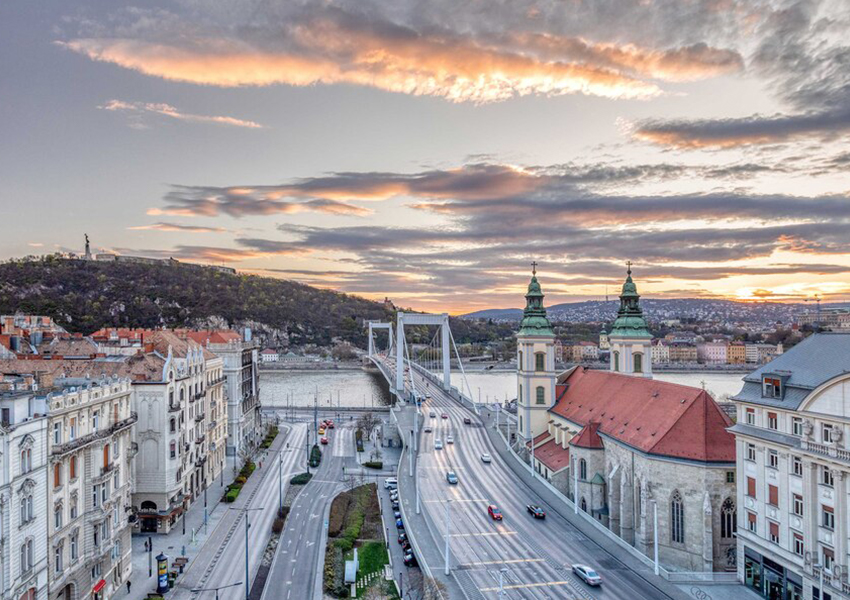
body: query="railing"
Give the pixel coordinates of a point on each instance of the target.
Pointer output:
(67, 447)
(174, 407)
(200, 417)
(200, 440)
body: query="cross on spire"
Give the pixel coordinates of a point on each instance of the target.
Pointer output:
(629, 267)
(534, 268)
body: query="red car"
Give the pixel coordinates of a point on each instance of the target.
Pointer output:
(324, 441)
(445, 416)
(494, 512)
(330, 424)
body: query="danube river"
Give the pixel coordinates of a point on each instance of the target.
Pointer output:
(359, 388)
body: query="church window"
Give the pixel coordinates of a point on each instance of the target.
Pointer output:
(539, 362)
(677, 518)
(616, 361)
(728, 525)
(582, 469)
(583, 504)
(519, 361)
(638, 363)
(541, 395)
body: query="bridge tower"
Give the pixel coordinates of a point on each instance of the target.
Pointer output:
(423, 319)
(535, 363)
(630, 339)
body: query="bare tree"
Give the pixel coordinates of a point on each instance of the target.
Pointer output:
(419, 587)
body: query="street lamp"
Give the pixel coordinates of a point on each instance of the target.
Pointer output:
(502, 572)
(247, 527)
(216, 589)
(448, 503)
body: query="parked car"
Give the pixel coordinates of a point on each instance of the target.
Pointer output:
(536, 511)
(324, 441)
(390, 482)
(410, 560)
(402, 537)
(331, 424)
(494, 512)
(450, 439)
(393, 494)
(467, 421)
(405, 547)
(395, 504)
(586, 574)
(399, 524)
(438, 444)
(445, 415)
(451, 477)
(396, 514)
(486, 458)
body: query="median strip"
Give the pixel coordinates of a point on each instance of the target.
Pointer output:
(482, 534)
(518, 586)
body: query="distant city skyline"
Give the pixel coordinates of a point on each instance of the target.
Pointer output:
(429, 153)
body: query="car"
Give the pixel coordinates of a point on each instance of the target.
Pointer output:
(405, 547)
(438, 444)
(445, 415)
(428, 430)
(494, 512)
(390, 482)
(399, 524)
(486, 458)
(433, 415)
(396, 514)
(451, 477)
(467, 421)
(409, 560)
(393, 494)
(427, 396)
(331, 425)
(536, 511)
(402, 537)
(321, 431)
(324, 441)
(586, 574)
(395, 504)
(450, 439)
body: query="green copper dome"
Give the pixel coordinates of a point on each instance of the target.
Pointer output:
(630, 321)
(534, 320)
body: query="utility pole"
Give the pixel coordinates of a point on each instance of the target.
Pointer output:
(216, 589)
(655, 533)
(247, 527)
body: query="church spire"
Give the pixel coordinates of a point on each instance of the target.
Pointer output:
(534, 320)
(630, 321)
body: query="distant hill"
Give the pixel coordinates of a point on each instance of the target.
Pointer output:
(727, 311)
(84, 296)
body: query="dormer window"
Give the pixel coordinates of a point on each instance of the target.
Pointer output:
(827, 433)
(772, 387)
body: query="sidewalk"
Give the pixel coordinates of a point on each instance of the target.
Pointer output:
(175, 543)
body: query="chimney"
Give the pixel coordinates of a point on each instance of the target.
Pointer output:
(148, 347)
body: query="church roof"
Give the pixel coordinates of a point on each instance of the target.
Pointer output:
(534, 320)
(655, 417)
(630, 321)
(552, 455)
(588, 437)
(539, 440)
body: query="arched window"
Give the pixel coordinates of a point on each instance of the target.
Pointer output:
(616, 361)
(106, 456)
(583, 504)
(582, 469)
(728, 526)
(519, 360)
(182, 394)
(638, 362)
(173, 449)
(173, 425)
(539, 361)
(677, 518)
(541, 395)
(26, 460)
(73, 467)
(148, 505)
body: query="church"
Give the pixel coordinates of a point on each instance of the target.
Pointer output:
(621, 443)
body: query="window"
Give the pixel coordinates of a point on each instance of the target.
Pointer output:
(772, 388)
(104, 491)
(57, 517)
(797, 426)
(519, 359)
(773, 531)
(751, 452)
(72, 469)
(772, 421)
(74, 547)
(173, 449)
(173, 426)
(541, 395)
(799, 546)
(751, 487)
(57, 433)
(752, 522)
(30, 506)
(116, 479)
(26, 460)
(826, 477)
(95, 495)
(638, 358)
(106, 456)
(539, 361)
(773, 459)
(798, 505)
(95, 536)
(582, 469)
(751, 416)
(57, 559)
(73, 506)
(95, 419)
(827, 517)
(797, 466)
(26, 556)
(730, 476)
(773, 495)
(57, 475)
(728, 527)
(828, 559)
(616, 361)
(677, 519)
(72, 429)
(826, 433)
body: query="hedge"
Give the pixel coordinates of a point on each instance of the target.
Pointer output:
(301, 479)
(315, 456)
(232, 494)
(374, 464)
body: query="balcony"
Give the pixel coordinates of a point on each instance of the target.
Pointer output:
(218, 381)
(61, 449)
(826, 450)
(174, 408)
(200, 418)
(201, 462)
(200, 440)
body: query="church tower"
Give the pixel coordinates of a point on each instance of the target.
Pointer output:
(535, 364)
(630, 339)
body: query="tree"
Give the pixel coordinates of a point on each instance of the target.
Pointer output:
(367, 423)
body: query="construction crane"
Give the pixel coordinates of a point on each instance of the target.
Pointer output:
(816, 298)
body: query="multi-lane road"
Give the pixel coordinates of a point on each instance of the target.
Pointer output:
(533, 556)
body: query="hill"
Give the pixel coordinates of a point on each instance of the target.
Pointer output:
(84, 296)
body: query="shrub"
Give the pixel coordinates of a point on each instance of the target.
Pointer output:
(374, 464)
(240, 480)
(344, 544)
(232, 494)
(315, 456)
(283, 512)
(277, 525)
(301, 479)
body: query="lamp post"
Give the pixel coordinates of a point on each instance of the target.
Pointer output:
(280, 482)
(502, 572)
(655, 533)
(448, 522)
(247, 510)
(216, 589)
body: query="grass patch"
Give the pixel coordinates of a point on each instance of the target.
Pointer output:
(373, 556)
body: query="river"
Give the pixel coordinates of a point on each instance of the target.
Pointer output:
(359, 388)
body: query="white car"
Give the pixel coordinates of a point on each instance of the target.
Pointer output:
(450, 439)
(390, 483)
(486, 458)
(586, 574)
(438, 444)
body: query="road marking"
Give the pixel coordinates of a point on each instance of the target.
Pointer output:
(517, 586)
(503, 562)
(459, 500)
(483, 533)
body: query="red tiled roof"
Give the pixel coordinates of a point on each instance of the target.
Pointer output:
(552, 455)
(204, 337)
(588, 437)
(539, 439)
(653, 416)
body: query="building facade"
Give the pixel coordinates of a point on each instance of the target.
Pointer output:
(793, 471)
(23, 497)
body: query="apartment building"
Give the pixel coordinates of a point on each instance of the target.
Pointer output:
(23, 497)
(792, 468)
(736, 353)
(89, 486)
(712, 352)
(660, 351)
(216, 417)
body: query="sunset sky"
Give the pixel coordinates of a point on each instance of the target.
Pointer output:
(429, 151)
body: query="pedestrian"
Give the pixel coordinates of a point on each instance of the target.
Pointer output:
(146, 545)
(128, 586)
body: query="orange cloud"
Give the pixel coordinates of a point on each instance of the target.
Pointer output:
(167, 110)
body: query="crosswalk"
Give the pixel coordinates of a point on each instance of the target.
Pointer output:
(343, 442)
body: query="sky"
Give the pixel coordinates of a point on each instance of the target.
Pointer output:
(430, 151)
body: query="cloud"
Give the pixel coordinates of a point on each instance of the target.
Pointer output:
(35, 244)
(251, 248)
(176, 227)
(368, 45)
(137, 109)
